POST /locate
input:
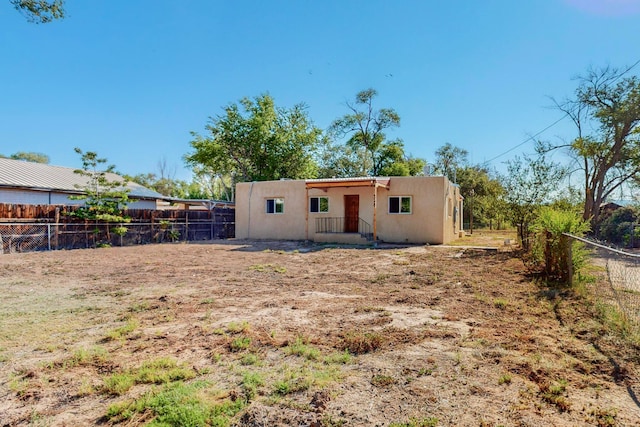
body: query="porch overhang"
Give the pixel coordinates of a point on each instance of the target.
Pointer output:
(324, 184)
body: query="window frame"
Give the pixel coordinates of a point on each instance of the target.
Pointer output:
(276, 201)
(400, 205)
(319, 204)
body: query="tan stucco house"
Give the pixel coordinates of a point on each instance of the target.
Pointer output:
(423, 209)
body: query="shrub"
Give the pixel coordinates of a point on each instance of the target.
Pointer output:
(552, 249)
(362, 342)
(618, 227)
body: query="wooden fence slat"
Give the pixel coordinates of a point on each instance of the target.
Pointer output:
(48, 213)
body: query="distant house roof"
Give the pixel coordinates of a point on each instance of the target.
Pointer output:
(42, 177)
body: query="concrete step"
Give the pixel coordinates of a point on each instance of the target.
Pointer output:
(344, 238)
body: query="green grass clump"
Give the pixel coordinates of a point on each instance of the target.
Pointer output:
(341, 358)
(604, 417)
(163, 370)
(123, 331)
(85, 357)
(300, 348)
(315, 375)
(500, 303)
(293, 381)
(240, 343)
(140, 307)
(554, 394)
(159, 371)
(250, 359)
(118, 384)
(179, 404)
(383, 380)
(415, 422)
(236, 328)
(505, 379)
(251, 381)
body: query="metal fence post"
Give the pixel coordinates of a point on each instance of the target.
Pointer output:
(48, 237)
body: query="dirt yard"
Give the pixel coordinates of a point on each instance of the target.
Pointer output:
(280, 333)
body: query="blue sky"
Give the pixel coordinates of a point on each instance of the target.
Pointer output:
(130, 79)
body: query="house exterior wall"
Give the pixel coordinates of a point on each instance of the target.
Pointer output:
(426, 222)
(434, 216)
(252, 220)
(33, 197)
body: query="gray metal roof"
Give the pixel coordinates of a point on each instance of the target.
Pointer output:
(38, 176)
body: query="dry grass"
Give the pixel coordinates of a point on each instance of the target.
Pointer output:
(403, 336)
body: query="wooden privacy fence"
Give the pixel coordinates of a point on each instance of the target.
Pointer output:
(51, 213)
(38, 228)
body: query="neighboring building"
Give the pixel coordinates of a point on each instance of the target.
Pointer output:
(31, 183)
(350, 210)
(177, 203)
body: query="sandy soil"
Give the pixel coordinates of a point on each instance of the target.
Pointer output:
(436, 336)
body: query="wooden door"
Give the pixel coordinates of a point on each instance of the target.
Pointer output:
(351, 213)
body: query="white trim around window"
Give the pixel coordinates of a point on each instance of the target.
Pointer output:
(274, 205)
(319, 204)
(400, 205)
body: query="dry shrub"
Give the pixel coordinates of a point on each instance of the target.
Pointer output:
(357, 342)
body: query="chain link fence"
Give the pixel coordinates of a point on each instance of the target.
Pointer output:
(28, 237)
(622, 272)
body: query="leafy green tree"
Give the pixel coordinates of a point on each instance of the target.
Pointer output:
(450, 159)
(194, 190)
(105, 196)
(606, 112)
(343, 161)
(529, 184)
(394, 162)
(569, 200)
(40, 11)
(493, 207)
(163, 181)
(255, 141)
(365, 127)
(338, 161)
(213, 185)
(29, 156)
(165, 186)
(618, 227)
(483, 203)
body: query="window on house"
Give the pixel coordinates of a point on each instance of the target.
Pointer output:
(319, 204)
(275, 206)
(400, 205)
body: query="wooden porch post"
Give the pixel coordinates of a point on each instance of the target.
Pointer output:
(306, 212)
(375, 212)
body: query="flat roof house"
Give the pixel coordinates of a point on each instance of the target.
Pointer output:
(420, 210)
(32, 183)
